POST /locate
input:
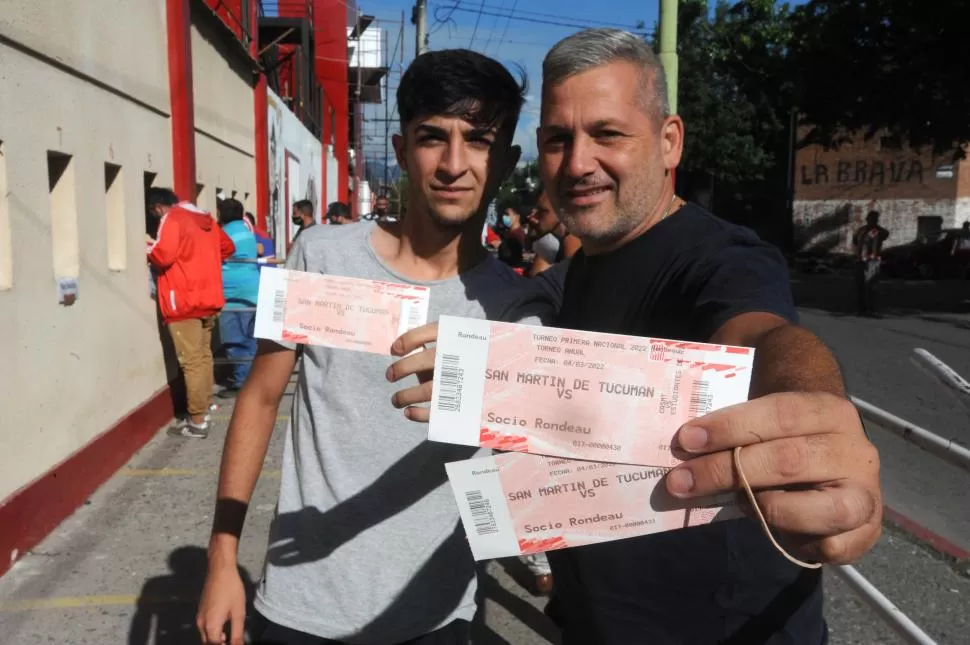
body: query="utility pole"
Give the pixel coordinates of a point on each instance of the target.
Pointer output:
(419, 18)
(668, 48)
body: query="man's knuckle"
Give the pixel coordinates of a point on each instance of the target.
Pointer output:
(788, 459)
(786, 413)
(720, 472)
(834, 549)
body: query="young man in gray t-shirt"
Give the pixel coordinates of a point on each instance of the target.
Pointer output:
(367, 546)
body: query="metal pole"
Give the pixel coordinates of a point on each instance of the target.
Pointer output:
(387, 98)
(945, 449)
(421, 33)
(668, 48)
(889, 612)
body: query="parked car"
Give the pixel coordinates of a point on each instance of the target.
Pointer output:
(929, 257)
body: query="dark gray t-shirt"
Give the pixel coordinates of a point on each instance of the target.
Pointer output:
(367, 546)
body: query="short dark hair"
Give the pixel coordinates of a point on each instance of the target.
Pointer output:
(230, 210)
(305, 206)
(250, 218)
(338, 209)
(462, 83)
(161, 197)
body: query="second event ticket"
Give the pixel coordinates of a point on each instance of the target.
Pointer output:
(574, 394)
(335, 311)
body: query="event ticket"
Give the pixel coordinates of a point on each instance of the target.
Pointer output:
(581, 395)
(345, 313)
(514, 504)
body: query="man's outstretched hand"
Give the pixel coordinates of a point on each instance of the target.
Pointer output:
(815, 473)
(421, 364)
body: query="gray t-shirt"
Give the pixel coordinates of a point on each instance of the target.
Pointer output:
(367, 546)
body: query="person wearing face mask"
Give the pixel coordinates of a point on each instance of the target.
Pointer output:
(512, 223)
(553, 242)
(302, 216)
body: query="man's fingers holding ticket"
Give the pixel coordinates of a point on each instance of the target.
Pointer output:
(774, 416)
(415, 339)
(420, 364)
(815, 473)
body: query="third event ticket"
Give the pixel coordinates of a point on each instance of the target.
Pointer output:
(574, 394)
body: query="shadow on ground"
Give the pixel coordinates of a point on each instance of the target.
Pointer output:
(520, 609)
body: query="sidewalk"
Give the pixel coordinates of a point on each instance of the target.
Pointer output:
(128, 567)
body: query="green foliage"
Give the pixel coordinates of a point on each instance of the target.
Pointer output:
(734, 94)
(884, 65)
(519, 188)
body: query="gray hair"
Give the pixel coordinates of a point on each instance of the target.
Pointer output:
(592, 48)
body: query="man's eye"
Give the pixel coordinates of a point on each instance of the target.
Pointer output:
(608, 134)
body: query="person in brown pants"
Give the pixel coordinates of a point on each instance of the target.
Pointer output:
(187, 253)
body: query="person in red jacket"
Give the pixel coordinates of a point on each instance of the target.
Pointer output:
(187, 253)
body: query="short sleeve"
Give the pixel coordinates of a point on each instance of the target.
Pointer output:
(743, 277)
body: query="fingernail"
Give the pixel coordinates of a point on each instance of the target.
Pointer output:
(680, 481)
(389, 374)
(692, 438)
(396, 347)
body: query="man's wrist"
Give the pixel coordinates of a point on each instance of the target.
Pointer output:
(223, 549)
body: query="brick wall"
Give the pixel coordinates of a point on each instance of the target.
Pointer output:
(836, 188)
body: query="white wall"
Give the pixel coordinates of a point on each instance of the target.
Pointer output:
(71, 372)
(296, 169)
(225, 121)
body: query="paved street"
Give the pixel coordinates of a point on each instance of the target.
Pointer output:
(128, 566)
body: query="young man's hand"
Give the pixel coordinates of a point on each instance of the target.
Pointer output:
(223, 601)
(421, 364)
(806, 454)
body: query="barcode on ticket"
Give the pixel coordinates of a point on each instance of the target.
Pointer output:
(482, 514)
(279, 305)
(450, 384)
(700, 399)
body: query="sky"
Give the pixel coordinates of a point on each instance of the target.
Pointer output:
(516, 32)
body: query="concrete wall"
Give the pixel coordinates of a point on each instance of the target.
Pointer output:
(836, 188)
(222, 85)
(92, 85)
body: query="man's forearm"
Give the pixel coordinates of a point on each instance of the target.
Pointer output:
(242, 460)
(790, 358)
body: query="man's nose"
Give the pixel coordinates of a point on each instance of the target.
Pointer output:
(580, 160)
(454, 161)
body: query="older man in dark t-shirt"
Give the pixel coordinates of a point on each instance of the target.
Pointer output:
(653, 265)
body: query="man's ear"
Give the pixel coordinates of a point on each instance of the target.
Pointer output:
(672, 140)
(399, 144)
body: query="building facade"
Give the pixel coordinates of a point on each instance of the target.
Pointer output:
(915, 191)
(96, 107)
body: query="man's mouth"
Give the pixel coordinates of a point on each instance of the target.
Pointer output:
(587, 195)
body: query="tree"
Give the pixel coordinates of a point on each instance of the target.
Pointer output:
(519, 188)
(735, 97)
(884, 65)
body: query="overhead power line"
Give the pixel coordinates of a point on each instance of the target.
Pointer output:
(530, 16)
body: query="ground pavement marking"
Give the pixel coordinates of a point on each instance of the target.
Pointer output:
(77, 602)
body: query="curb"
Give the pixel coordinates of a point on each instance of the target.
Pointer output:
(923, 534)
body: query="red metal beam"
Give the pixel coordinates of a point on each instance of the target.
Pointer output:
(178, 23)
(261, 143)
